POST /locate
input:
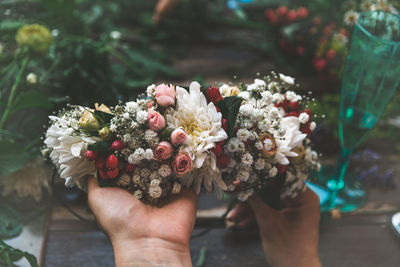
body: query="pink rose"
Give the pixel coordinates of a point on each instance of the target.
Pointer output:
(163, 151)
(182, 164)
(155, 120)
(178, 137)
(165, 95)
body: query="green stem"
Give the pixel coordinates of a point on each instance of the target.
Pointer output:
(13, 92)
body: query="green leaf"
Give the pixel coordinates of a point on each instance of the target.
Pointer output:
(12, 157)
(11, 25)
(102, 147)
(10, 222)
(9, 254)
(103, 116)
(230, 108)
(31, 99)
(202, 257)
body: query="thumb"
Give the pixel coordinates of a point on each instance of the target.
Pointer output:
(263, 212)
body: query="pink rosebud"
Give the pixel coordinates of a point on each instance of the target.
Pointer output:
(155, 120)
(165, 95)
(163, 151)
(182, 164)
(150, 104)
(178, 137)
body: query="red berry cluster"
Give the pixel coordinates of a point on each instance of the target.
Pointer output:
(293, 108)
(108, 165)
(284, 15)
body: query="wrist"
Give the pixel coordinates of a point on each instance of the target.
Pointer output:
(150, 252)
(311, 260)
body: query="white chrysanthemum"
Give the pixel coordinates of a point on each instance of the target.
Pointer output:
(292, 137)
(247, 159)
(176, 188)
(68, 151)
(199, 120)
(151, 90)
(273, 172)
(244, 195)
(243, 135)
(259, 164)
(313, 125)
(209, 176)
(286, 79)
(164, 170)
(149, 154)
(304, 117)
(141, 116)
(350, 17)
(131, 106)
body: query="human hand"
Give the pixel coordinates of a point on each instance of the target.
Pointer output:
(144, 235)
(163, 7)
(289, 236)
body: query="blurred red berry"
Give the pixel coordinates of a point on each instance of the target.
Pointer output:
(281, 11)
(223, 161)
(91, 155)
(130, 167)
(293, 114)
(317, 20)
(103, 174)
(225, 124)
(292, 15)
(217, 150)
(100, 163)
(331, 54)
(271, 15)
(117, 145)
(302, 12)
(112, 173)
(112, 162)
(281, 168)
(319, 64)
(300, 50)
(294, 106)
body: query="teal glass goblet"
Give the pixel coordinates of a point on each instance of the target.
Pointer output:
(371, 76)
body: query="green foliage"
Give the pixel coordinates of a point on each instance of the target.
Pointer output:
(12, 157)
(8, 255)
(31, 99)
(10, 222)
(230, 108)
(102, 147)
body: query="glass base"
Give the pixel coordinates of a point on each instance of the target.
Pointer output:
(351, 197)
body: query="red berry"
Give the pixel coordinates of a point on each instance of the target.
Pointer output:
(129, 167)
(91, 155)
(309, 112)
(293, 114)
(281, 168)
(285, 105)
(112, 162)
(292, 15)
(282, 10)
(117, 145)
(100, 163)
(306, 128)
(112, 173)
(223, 161)
(294, 106)
(225, 124)
(236, 183)
(331, 54)
(217, 150)
(103, 174)
(221, 143)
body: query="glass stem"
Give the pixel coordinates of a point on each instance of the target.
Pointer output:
(336, 182)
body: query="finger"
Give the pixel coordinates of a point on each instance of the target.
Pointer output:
(162, 8)
(246, 222)
(261, 210)
(239, 211)
(92, 184)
